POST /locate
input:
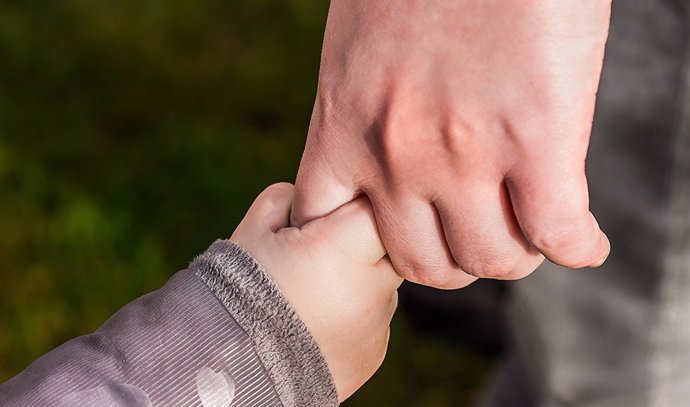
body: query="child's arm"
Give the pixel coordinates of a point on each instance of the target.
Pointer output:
(225, 332)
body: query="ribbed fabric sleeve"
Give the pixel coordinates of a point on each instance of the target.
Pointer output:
(281, 339)
(182, 346)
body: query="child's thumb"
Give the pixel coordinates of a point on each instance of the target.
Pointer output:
(269, 212)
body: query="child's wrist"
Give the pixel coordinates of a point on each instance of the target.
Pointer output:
(282, 341)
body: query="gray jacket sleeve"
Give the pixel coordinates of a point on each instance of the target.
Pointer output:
(218, 334)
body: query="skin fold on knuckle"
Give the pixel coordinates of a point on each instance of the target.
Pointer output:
(567, 245)
(496, 266)
(428, 275)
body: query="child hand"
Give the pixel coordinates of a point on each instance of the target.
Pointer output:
(335, 273)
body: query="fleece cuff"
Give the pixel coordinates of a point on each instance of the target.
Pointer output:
(286, 348)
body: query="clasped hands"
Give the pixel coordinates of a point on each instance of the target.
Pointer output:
(447, 143)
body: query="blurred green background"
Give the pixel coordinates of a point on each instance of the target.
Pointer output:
(133, 134)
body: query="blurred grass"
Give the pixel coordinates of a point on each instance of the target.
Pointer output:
(132, 134)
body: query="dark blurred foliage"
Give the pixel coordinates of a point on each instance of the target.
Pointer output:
(133, 134)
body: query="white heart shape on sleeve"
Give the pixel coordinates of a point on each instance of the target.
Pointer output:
(215, 389)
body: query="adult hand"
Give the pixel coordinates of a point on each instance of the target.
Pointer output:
(467, 124)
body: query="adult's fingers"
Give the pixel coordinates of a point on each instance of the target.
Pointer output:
(413, 235)
(318, 191)
(553, 211)
(351, 230)
(483, 234)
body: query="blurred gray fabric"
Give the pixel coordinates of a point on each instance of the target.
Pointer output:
(620, 335)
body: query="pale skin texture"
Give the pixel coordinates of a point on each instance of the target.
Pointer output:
(466, 123)
(335, 273)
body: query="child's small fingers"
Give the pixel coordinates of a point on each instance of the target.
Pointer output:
(270, 210)
(388, 283)
(386, 276)
(351, 229)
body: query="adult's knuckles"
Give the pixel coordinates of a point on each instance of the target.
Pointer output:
(558, 234)
(573, 261)
(567, 244)
(420, 272)
(498, 267)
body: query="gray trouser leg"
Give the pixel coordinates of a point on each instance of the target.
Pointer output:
(620, 335)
